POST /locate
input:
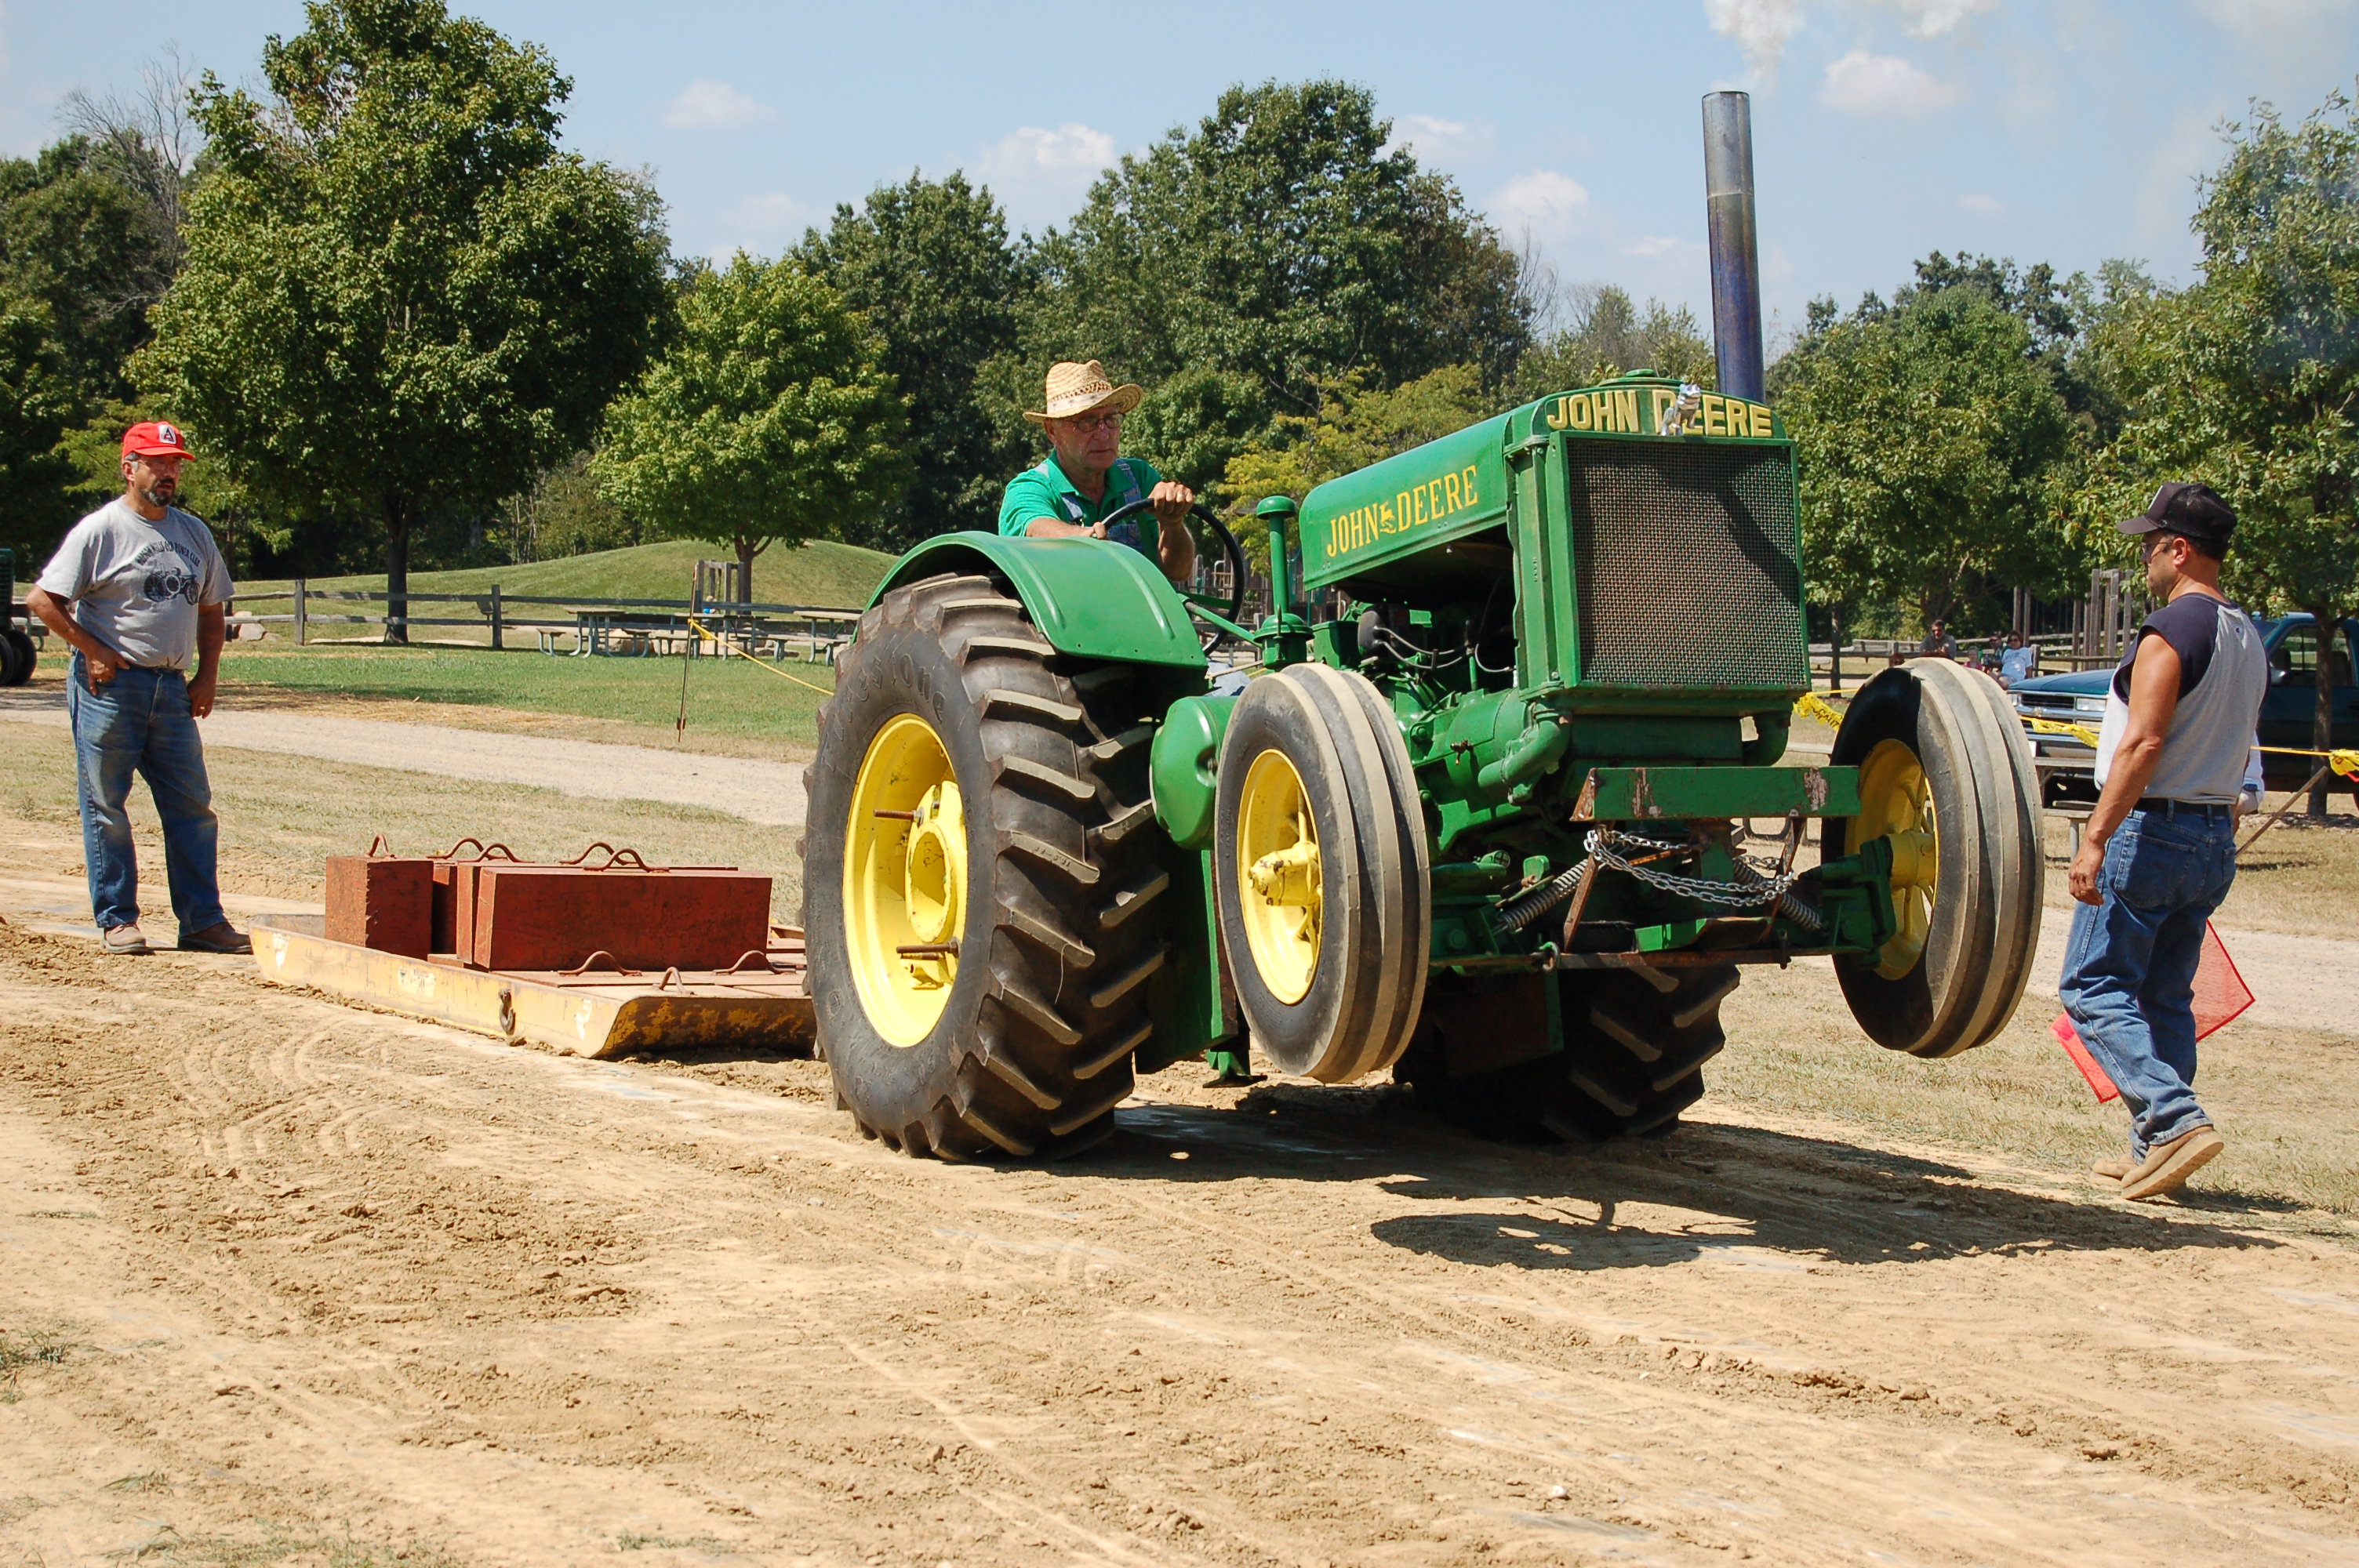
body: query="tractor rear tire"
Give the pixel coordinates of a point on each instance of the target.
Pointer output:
(1035, 899)
(1635, 1046)
(1329, 965)
(1943, 763)
(16, 657)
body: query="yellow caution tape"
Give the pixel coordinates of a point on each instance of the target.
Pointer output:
(2342, 759)
(2080, 732)
(1811, 705)
(697, 627)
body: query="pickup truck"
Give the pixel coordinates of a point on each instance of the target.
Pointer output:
(2066, 776)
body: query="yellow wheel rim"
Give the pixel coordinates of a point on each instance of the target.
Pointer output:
(905, 878)
(1895, 801)
(1278, 876)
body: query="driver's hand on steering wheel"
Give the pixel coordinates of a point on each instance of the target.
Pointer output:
(1172, 501)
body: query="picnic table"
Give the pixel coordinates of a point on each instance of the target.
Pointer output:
(814, 634)
(625, 633)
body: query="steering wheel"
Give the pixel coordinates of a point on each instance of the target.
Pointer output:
(1233, 551)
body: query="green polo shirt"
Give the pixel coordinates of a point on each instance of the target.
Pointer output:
(1043, 490)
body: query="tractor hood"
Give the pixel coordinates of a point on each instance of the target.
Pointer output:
(1423, 516)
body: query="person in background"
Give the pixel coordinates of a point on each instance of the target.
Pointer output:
(2174, 755)
(2020, 662)
(137, 589)
(1938, 643)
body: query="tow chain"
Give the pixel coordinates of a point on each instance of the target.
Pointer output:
(1604, 842)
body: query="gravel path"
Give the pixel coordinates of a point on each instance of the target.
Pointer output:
(770, 793)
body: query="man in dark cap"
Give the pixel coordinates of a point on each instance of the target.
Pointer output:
(2160, 849)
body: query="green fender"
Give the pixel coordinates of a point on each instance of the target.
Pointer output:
(1089, 599)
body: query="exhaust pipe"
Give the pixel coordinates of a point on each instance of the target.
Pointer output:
(1735, 267)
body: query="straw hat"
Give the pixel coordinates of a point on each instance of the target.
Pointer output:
(1077, 388)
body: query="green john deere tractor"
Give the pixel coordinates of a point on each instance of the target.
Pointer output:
(1508, 825)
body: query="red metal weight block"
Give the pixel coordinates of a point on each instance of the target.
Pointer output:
(555, 917)
(381, 902)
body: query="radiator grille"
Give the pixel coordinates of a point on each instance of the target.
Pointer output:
(1686, 566)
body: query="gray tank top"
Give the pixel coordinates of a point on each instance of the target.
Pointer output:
(2223, 676)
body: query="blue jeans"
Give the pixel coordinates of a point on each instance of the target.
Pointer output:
(2129, 968)
(139, 722)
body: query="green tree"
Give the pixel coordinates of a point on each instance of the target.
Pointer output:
(76, 238)
(930, 264)
(769, 418)
(37, 400)
(2249, 379)
(1930, 443)
(1240, 269)
(1603, 334)
(1356, 425)
(563, 514)
(400, 297)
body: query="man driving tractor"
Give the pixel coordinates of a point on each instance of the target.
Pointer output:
(1086, 477)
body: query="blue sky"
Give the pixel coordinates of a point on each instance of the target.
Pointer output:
(2067, 131)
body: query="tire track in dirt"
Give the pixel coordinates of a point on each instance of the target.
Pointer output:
(1318, 1337)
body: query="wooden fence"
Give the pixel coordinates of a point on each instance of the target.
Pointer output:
(494, 610)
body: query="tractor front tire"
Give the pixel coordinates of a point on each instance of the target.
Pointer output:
(1319, 864)
(16, 656)
(980, 880)
(1946, 773)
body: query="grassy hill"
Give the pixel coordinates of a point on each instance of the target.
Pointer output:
(821, 573)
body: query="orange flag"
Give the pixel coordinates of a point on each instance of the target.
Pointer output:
(2221, 996)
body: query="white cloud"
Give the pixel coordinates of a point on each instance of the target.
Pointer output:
(2249, 18)
(1761, 27)
(709, 105)
(1544, 202)
(1982, 206)
(1653, 245)
(1434, 139)
(1031, 153)
(1935, 18)
(1042, 175)
(1865, 84)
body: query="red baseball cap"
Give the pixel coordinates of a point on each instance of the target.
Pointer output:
(155, 439)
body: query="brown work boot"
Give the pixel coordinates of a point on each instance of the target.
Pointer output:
(2113, 1168)
(123, 939)
(222, 938)
(2167, 1166)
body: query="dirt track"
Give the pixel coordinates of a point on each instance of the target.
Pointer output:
(756, 790)
(331, 1276)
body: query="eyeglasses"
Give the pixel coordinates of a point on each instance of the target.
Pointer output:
(1087, 423)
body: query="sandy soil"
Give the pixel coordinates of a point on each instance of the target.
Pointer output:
(291, 1283)
(758, 791)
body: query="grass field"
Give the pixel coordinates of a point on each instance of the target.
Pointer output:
(731, 706)
(821, 573)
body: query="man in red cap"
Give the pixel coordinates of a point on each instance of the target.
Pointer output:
(137, 589)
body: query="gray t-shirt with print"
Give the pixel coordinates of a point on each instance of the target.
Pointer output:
(135, 585)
